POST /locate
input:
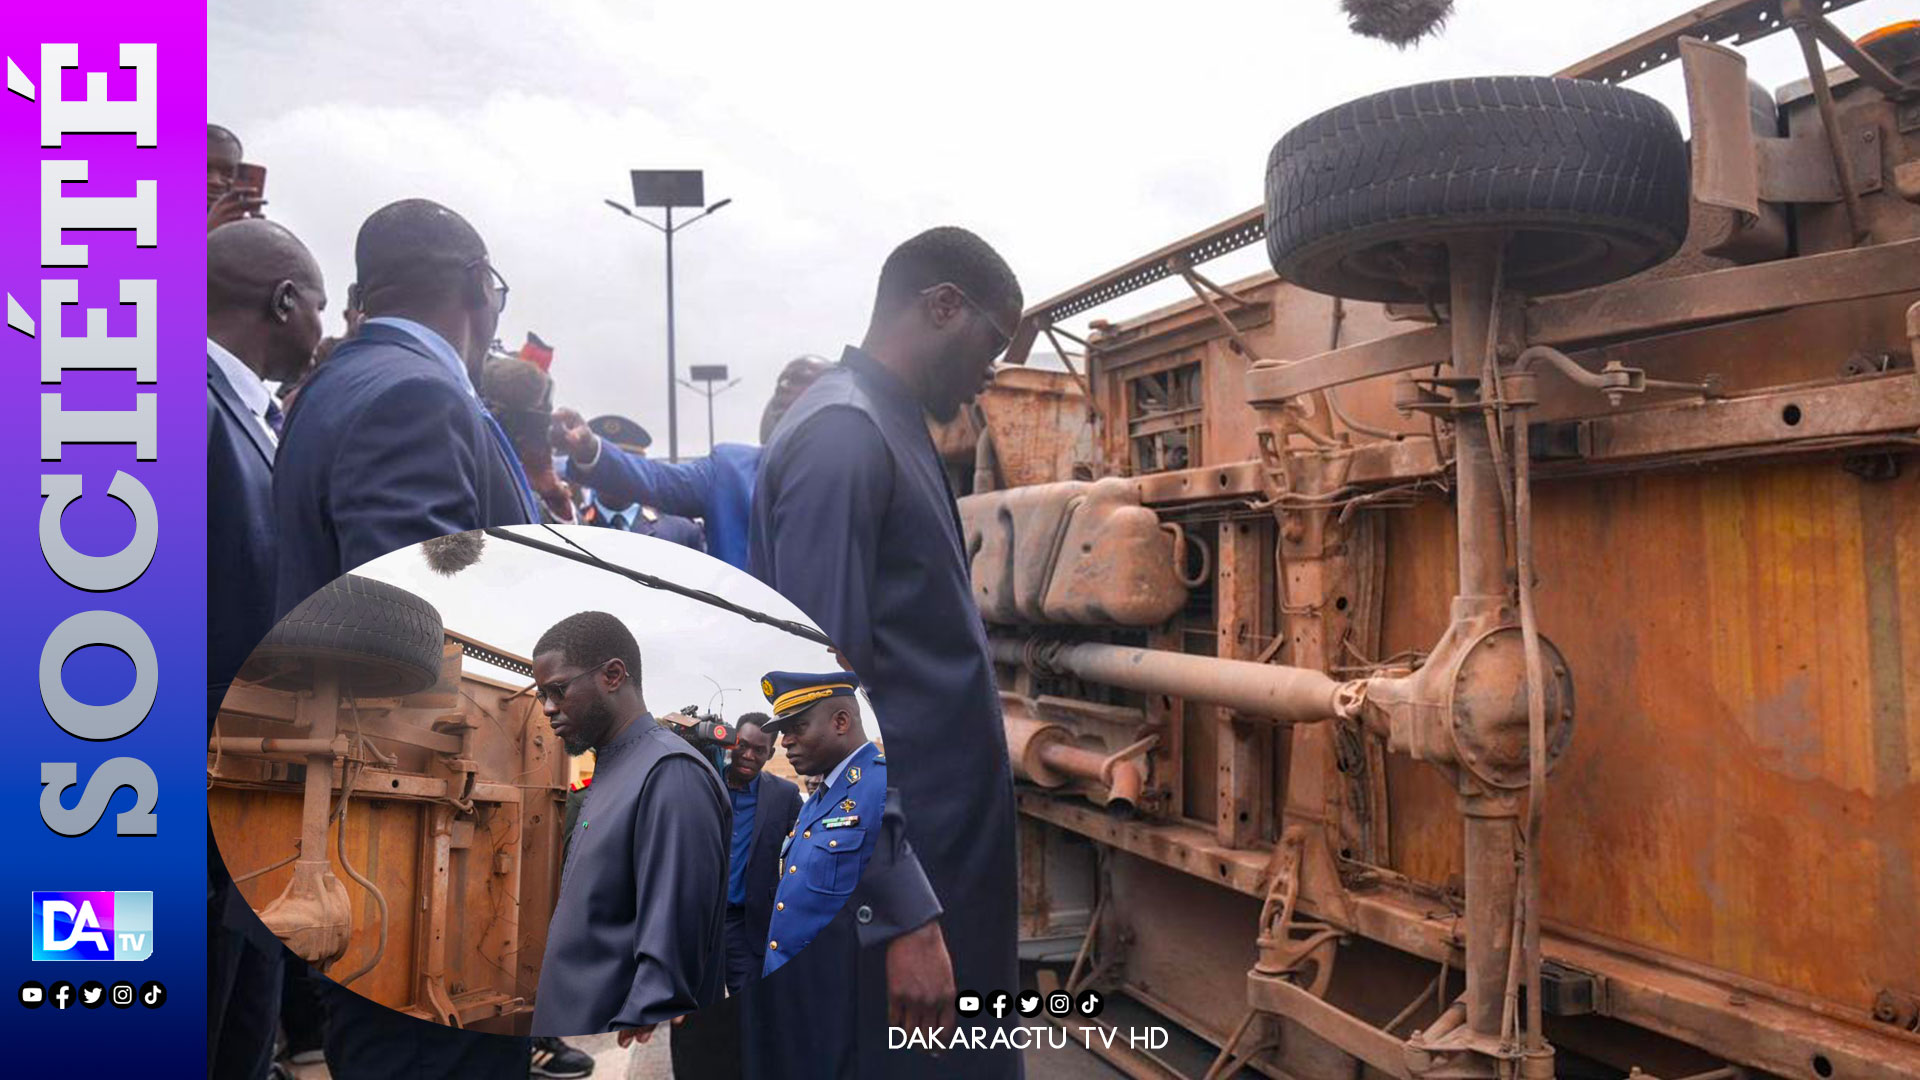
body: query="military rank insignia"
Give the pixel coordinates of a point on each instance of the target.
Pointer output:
(853, 775)
(846, 806)
(847, 822)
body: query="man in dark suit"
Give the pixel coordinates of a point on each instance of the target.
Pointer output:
(764, 810)
(264, 298)
(388, 443)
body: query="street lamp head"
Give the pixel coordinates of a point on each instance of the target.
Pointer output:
(719, 204)
(618, 207)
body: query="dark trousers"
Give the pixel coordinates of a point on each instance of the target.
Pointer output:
(705, 1045)
(745, 956)
(244, 965)
(301, 1014)
(368, 1041)
(243, 1004)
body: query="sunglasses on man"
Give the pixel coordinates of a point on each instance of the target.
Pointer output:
(553, 693)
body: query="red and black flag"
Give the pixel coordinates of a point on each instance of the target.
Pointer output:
(537, 352)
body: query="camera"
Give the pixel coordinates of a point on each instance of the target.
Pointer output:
(713, 737)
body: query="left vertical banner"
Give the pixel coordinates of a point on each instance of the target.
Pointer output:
(103, 510)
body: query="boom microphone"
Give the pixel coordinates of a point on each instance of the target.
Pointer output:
(448, 555)
(1399, 23)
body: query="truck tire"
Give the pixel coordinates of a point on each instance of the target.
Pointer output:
(381, 641)
(1588, 181)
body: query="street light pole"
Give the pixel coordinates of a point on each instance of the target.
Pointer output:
(709, 374)
(668, 189)
(673, 374)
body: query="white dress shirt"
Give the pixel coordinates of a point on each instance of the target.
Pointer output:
(251, 388)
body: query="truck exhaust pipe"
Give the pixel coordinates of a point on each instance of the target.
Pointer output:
(1289, 695)
(1050, 755)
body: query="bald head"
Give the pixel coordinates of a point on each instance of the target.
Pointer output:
(247, 258)
(800, 373)
(264, 297)
(419, 260)
(414, 251)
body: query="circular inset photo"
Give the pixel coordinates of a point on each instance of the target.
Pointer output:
(548, 781)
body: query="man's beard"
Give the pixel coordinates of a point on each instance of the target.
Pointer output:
(938, 400)
(594, 721)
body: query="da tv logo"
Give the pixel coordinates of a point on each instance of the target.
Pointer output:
(92, 925)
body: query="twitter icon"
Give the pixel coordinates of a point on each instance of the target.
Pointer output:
(92, 994)
(1029, 1004)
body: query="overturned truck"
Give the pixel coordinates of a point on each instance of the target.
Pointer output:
(364, 743)
(1489, 645)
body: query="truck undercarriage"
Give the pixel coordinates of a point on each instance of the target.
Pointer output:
(1292, 595)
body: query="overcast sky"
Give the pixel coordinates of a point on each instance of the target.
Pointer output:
(513, 594)
(1072, 136)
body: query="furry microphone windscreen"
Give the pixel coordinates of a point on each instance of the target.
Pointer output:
(1399, 23)
(448, 555)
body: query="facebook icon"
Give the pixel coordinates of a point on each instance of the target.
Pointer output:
(92, 925)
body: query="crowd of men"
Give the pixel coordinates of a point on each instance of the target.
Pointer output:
(409, 426)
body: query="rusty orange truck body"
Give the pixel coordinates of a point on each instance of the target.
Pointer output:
(1289, 779)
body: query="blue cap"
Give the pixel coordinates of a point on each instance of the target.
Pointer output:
(791, 693)
(620, 431)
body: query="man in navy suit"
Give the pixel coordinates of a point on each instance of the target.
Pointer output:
(764, 809)
(264, 298)
(388, 443)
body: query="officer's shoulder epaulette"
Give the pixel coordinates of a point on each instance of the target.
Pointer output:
(879, 759)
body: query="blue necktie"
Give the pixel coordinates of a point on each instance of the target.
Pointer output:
(275, 417)
(528, 504)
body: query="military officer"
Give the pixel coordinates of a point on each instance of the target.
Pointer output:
(849, 883)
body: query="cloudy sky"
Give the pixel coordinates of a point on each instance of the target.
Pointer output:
(1073, 137)
(513, 594)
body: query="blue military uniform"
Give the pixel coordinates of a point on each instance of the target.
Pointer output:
(823, 856)
(849, 882)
